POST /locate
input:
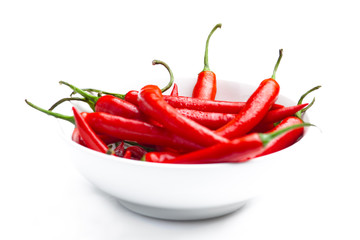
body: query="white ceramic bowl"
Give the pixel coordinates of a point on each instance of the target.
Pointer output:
(183, 191)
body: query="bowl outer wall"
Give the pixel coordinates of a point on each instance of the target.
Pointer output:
(181, 185)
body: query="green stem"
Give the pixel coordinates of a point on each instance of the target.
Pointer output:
(122, 96)
(64, 100)
(86, 95)
(206, 60)
(267, 137)
(277, 63)
(57, 115)
(155, 62)
(302, 111)
(91, 98)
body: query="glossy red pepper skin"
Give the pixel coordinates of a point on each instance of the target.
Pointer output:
(253, 112)
(205, 87)
(204, 105)
(138, 131)
(175, 91)
(211, 120)
(132, 97)
(237, 150)
(287, 139)
(214, 120)
(87, 133)
(159, 157)
(277, 115)
(117, 106)
(208, 105)
(152, 104)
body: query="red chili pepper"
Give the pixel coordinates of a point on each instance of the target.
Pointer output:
(127, 154)
(87, 134)
(175, 91)
(76, 137)
(292, 136)
(215, 120)
(159, 156)
(208, 105)
(237, 150)
(211, 120)
(131, 96)
(287, 139)
(138, 131)
(205, 87)
(117, 106)
(255, 109)
(277, 115)
(204, 105)
(136, 152)
(152, 104)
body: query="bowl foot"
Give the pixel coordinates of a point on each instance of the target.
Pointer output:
(182, 214)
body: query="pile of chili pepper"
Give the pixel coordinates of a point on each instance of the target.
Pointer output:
(149, 125)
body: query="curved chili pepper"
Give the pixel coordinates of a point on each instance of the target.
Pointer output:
(287, 139)
(205, 86)
(87, 134)
(277, 115)
(138, 131)
(255, 109)
(152, 104)
(292, 136)
(237, 150)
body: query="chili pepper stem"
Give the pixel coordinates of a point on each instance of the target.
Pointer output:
(64, 100)
(155, 62)
(206, 58)
(267, 137)
(91, 98)
(302, 111)
(57, 115)
(118, 95)
(277, 63)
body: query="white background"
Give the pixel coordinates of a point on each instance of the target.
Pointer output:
(110, 45)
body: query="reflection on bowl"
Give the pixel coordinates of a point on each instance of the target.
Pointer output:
(182, 191)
